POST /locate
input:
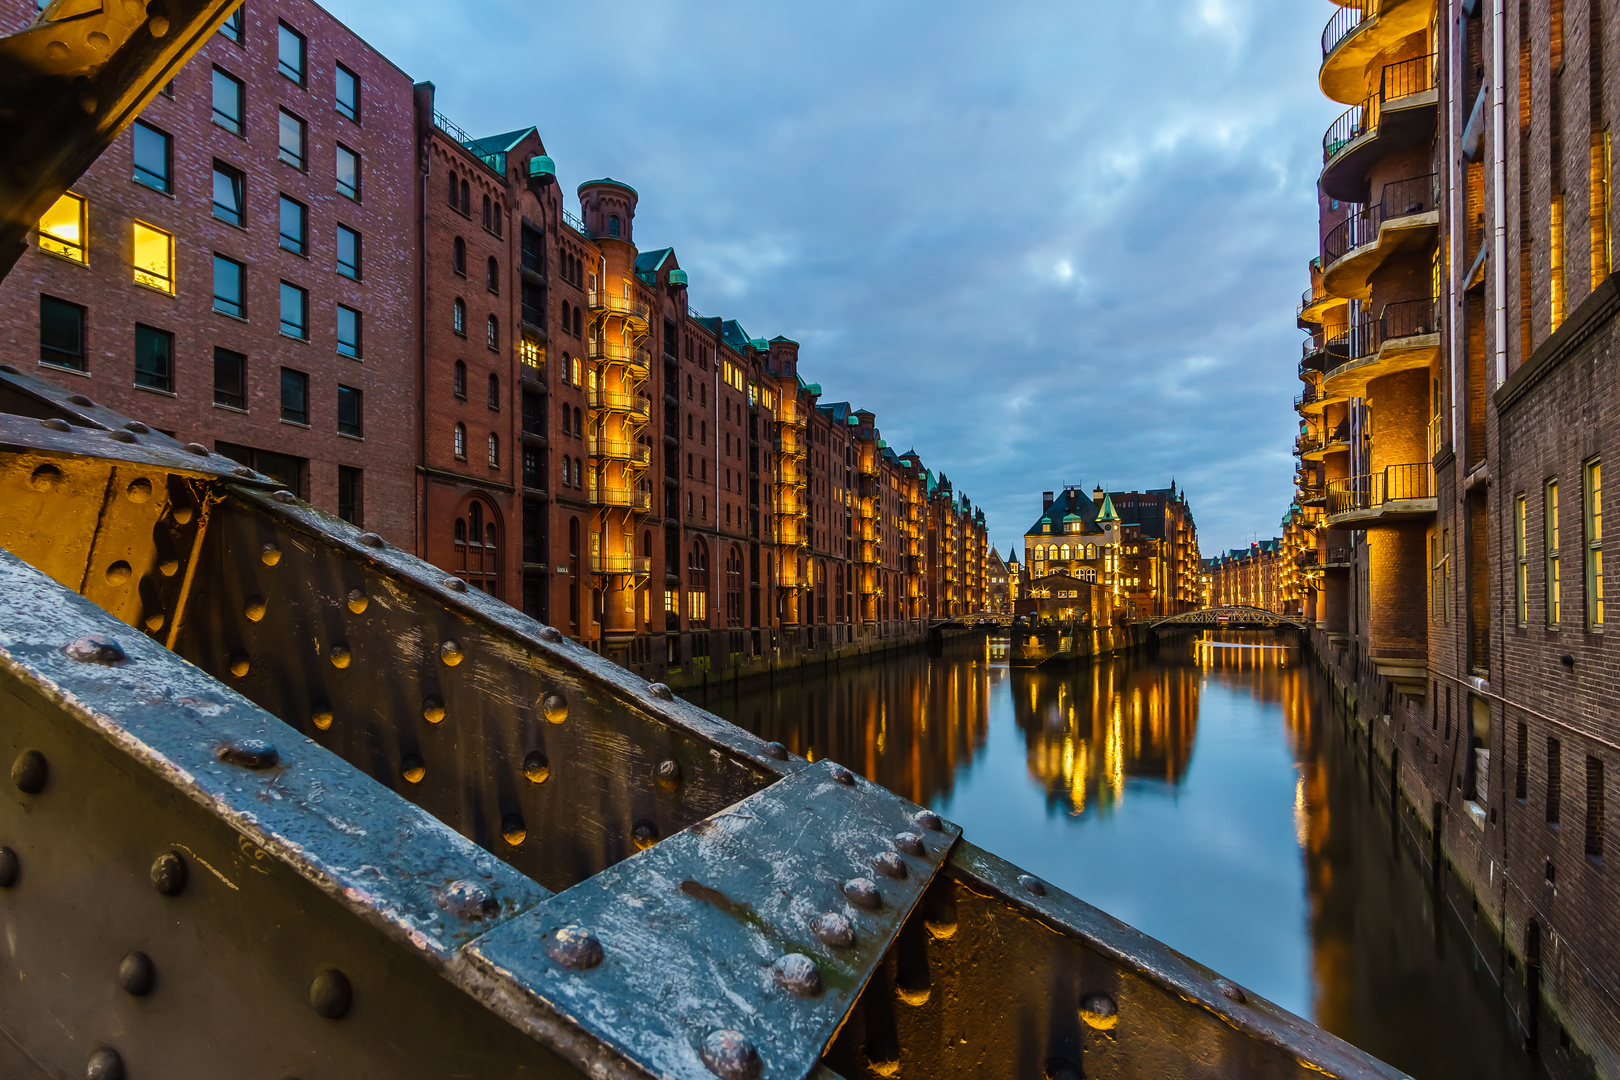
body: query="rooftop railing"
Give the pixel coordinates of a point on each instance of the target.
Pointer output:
(1370, 491)
(574, 223)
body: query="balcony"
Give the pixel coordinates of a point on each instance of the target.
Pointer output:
(634, 453)
(620, 564)
(1314, 400)
(1406, 218)
(1398, 493)
(637, 359)
(789, 445)
(869, 508)
(1338, 558)
(625, 307)
(1358, 33)
(1312, 495)
(622, 498)
(1319, 447)
(1314, 304)
(635, 405)
(1405, 336)
(1400, 114)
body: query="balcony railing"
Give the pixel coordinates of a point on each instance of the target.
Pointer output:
(605, 300)
(1337, 556)
(1402, 79)
(1401, 319)
(1402, 198)
(1407, 77)
(627, 498)
(574, 223)
(616, 401)
(1346, 21)
(616, 352)
(620, 564)
(619, 450)
(1369, 491)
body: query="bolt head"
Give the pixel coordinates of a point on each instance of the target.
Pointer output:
(137, 427)
(358, 601)
(644, 835)
(197, 448)
(513, 830)
(536, 769)
(95, 649)
(412, 768)
(929, 820)
(555, 708)
(1231, 991)
(451, 653)
(136, 974)
(797, 974)
(468, 900)
(270, 554)
(433, 710)
(339, 655)
(730, 1056)
(284, 496)
(550, 634)
(330, 994)
(30, 772)
(910, 843)
(843, 776)
(371, 540)
(1099, 1011)
(776, 750)
(575, 947)
(9, 868)
(81, 400)
(455, 584)
(863, 893)
(104, 1064)
(890, 865)
(169, 873)
(1032, 884)
(249, 753)
(56, 425)
(832, 928)
(122, 436)
(669, 774)
(660, 691)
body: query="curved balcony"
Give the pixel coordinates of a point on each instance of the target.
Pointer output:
(634, 453)
(620, 564)
(1314, 304)
(1358, 33)
(1405, 218)
(621, 498)
(1400, 114)
(638, 406)
(1312, 495)
(626, 307)
(1318, 447)
(637, 359)
(1314, 400)
(1405, 336)
(1397, 493)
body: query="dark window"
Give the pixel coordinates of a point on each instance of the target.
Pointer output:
(290, 54)
(61, 333)
(348, 172)
(286, 470)
(534, 476)
(232, 27)
(348, 331)
(350, 494)
(466, 199)
(1555, 779)
(1521, 767)
(492, 274)
(292, 140)
(154, 358)
(294, 396)
(228, 101)
(461, 380)
(492, 333)
(455, 193)
(229, 287)
(534, 250)
(1594, 807)
(230, 193)
(459, 317)
(294, 311)
(499, 215)
(151, 148)
(349, 411)
(347, 93)
(230, 378)
(458, 256)
(613, 225)
(495, 392)
(294, 226)
(487, 223)
(348, 252)
(534, 304)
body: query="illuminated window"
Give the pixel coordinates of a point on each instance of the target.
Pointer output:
(1593, 498)
(1555, 253)
(531, 354)
(154, 258)
(1549, 504)
(62, 228)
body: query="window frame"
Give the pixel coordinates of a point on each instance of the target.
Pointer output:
(351, 110)
(234, 28)
(241, 286)
(459, 444)
(166, 185)
(351, 494)
(1521, 555)
(239, 179)
(351, 397)
(236, 125)
(158, 282)
(296, 159)
(240, 362)
(82, 317)
(281, 310)
(285, 200)
(458, 317)
(1550, 540)
(283, 34)
(1592, 546)
(347, 191)
(492, 447)
(42, 238)
(164, 380)
(350, 270)
(357, 345)
(301, 379)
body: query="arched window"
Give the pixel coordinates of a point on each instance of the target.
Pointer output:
(466, 198)
(579, 474)
(461, 442)
(697, 584)
(613, 225)
(568, 472)
(734, 578)
(459, 319)
(458, 256)
(455, 192)
(579, 423)
(493, 276)
(492, 333)
(495, 392)
(567, 420)
(1065, 555)
(478, 547)
(486, 212)
(821, 591)
(498, 216)
(1091, 551)
(461, 379)
(494, 451)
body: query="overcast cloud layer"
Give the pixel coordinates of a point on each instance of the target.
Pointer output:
(1045, 242)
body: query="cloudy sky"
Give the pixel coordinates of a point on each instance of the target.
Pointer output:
(1045, 242)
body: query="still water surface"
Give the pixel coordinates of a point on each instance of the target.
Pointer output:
(1209, 795)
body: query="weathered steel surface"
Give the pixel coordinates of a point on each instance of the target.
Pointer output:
(764, 920)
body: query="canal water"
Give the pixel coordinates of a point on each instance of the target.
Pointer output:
(1209, 794)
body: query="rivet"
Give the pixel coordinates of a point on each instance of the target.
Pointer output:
(9, 370)
(29, 772)
(890, 865)
(95, 649)
(1099, 1011)
(254, 608)
(358, 601)
(330, 994)
(182, 515)
(339, 655)
(668, 774)
(270, 554)
(863, 893)
(244, 472)
(412, 769)
(575, 947)
(843, 776)
(551, 634)
(513, 830)
(80, 399)
(118, 573)
(197, 448)
(644, 835)
(1032, 884)
(433, 710)
(169, 567)
(8, 868)
(660, 691)
(555, 708)
(239, 663)
(321, 715)
(468, 900)
(910, 843)
(284, 496)
(536, 768)
(155, 620)
(730, 1056)
(833, 929)
(776, 750)
(122, 436)
(169, 873)
(104, 1064)
(454, 584)
(798, 974)
(139, 490)
(450, 652)
(56, 425)
(928, 820)
(371, 540)
(158, 25)
(136, 973)
(249, 753)
(134, 425)
(1231, 991)
(45, 478)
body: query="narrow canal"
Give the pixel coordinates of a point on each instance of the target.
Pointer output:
(1210, 795)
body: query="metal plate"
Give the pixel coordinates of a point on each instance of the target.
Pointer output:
(690, 929)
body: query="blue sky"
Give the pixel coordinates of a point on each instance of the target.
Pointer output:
(1045, 242)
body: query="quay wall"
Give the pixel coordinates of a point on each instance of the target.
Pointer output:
(697, 659)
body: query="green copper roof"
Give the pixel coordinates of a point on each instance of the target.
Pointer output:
(1107, 512)
(609, 180)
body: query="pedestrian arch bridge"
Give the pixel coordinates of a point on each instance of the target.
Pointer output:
(1232, 615)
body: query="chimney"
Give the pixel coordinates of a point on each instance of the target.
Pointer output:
(1097, 496)
(1046, 501)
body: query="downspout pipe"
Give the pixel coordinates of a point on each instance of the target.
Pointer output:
(1499, 181)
